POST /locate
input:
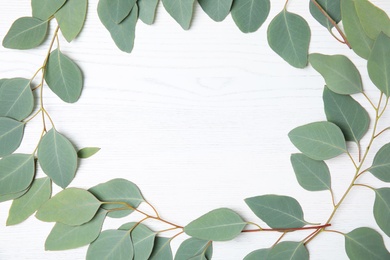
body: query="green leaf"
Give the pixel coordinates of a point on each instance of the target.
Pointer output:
(312, 175)
(218, 225)
(120, 9)
(181, 10)
(289, 250)
(346, 113)
(147, 10)
(25, 33)
(71, 18)
(331, 7)
(382, 209)
(162, 249)
(11, 196)
(379, 64)
(43, 9)
(63, 77)
(360, 42)
(118, 190)
(123, 34)
(16, 173)
(16, 98)
(24, 206)
(277, 211)
(289, 37)
(381, 165)
(373, 19)
(193, 247)
(143, 239)
(64, 237)
(58, 158)
(71, 206)
(11, 134)
(319, 140)
(365, 243)
(111, 244)
(249, 15)
(2, 81)
(217, 9)
(340, 74)
(87, 152)
(258, 254)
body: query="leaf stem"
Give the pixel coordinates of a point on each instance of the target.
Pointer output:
(278, 240)
(364, 185)
(369, 100)
(285, 229)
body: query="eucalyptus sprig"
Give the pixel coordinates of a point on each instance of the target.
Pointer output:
(79, 214)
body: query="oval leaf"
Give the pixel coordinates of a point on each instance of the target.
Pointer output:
(71, 206)
(193, 247)
(147, 10)
(340, 74)
(87, 152)
(381, 165)
(217, 9)
(258, 254)
(218, 225)
(289, 37)
(249, 15)
(25, 33)
(289, 250)
(319, 140)
(11, 134)
(382, 209)
(71, 18)
(11, 196)
(120, 9)
(43, 9)
(162, 249)
(365, 243)
(331, 7)
(181, 11)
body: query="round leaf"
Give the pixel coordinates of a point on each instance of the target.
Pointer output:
(43, 9)
(382, 209)
(217, 9)
(289, 250)
(87, 152)
(194, 247)
(249, 15)
(381, 166)
(331, 7)
(162, 249)
(71, 18)
(11, 134)
(147, 10)
(258, 254)
(181, 11)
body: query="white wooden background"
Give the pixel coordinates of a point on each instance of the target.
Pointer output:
(197, 119)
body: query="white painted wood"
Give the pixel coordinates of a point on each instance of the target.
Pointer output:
(197, 119)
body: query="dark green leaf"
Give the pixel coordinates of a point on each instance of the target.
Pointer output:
(120, 9)
(71, 18)
(249, 15)
(217, 9)
(162, 249)
(218, 225)
(382, 209)
(87, 152)
(43, 9)
(194, 247)
(331, 7)
(181, 11)
(381, 166)
(147, 10)
(289, 250)
(258, 254)
(11, 134)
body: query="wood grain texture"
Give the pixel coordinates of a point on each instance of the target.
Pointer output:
(197, 119)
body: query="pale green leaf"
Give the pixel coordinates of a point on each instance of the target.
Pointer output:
(365, 243)
(331, 7)
(147, 10)
(181, 10)
(118, 190)
(381, 165)
(123, 34)
(216, 9)
(87, 152)
(111, 244)
(24, 206)
(277, 211)
(16, 173)
(379, 64)
(259, 254)
(16, 98)
(382, 209)
(71, 206)
(249, 15)
(71, 18)
(340, 74)
(289, 250)
(11, 134)
(43, 9)
(289, 36)
(64, 237)
(11, 196)
(120, 9)
(162, 249)
(319, 140)
(63, 77)
(58, 158)
(218, 225)
(194, 247)
(25, 33)
(312, 175)
(346, 113)
(2, 82)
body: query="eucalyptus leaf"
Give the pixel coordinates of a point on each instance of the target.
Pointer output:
(319, 140)
(12, 196)
(11, 134)
(193, 247)
(331, 7)
(63, 77)
(289, 250)
(289, 36)
(277, 211)
(379, 64)
(120, 9)
(64, 237)
(180, 10)
(147, 10)
(346, 113)
(123, 34)
(43, 9)
(340, 74)
(16, 173)
(111, 244)
(24, 206)
(365, 243)
(87, 152)
(71, 206)
(2, 82)
(382, 209)
(258, 254)
(118, 190)
(249, 15)
(312, 175)
(162, 249)
(381, 165)
(58, 158)
(218, 225)
(71, 18)
(217, 9)
(25, 33)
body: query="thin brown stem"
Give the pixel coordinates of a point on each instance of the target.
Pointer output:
(286, 229)
(278, 240)
(381, 132)
(154, 209)
(364, 185)
(369, 100)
